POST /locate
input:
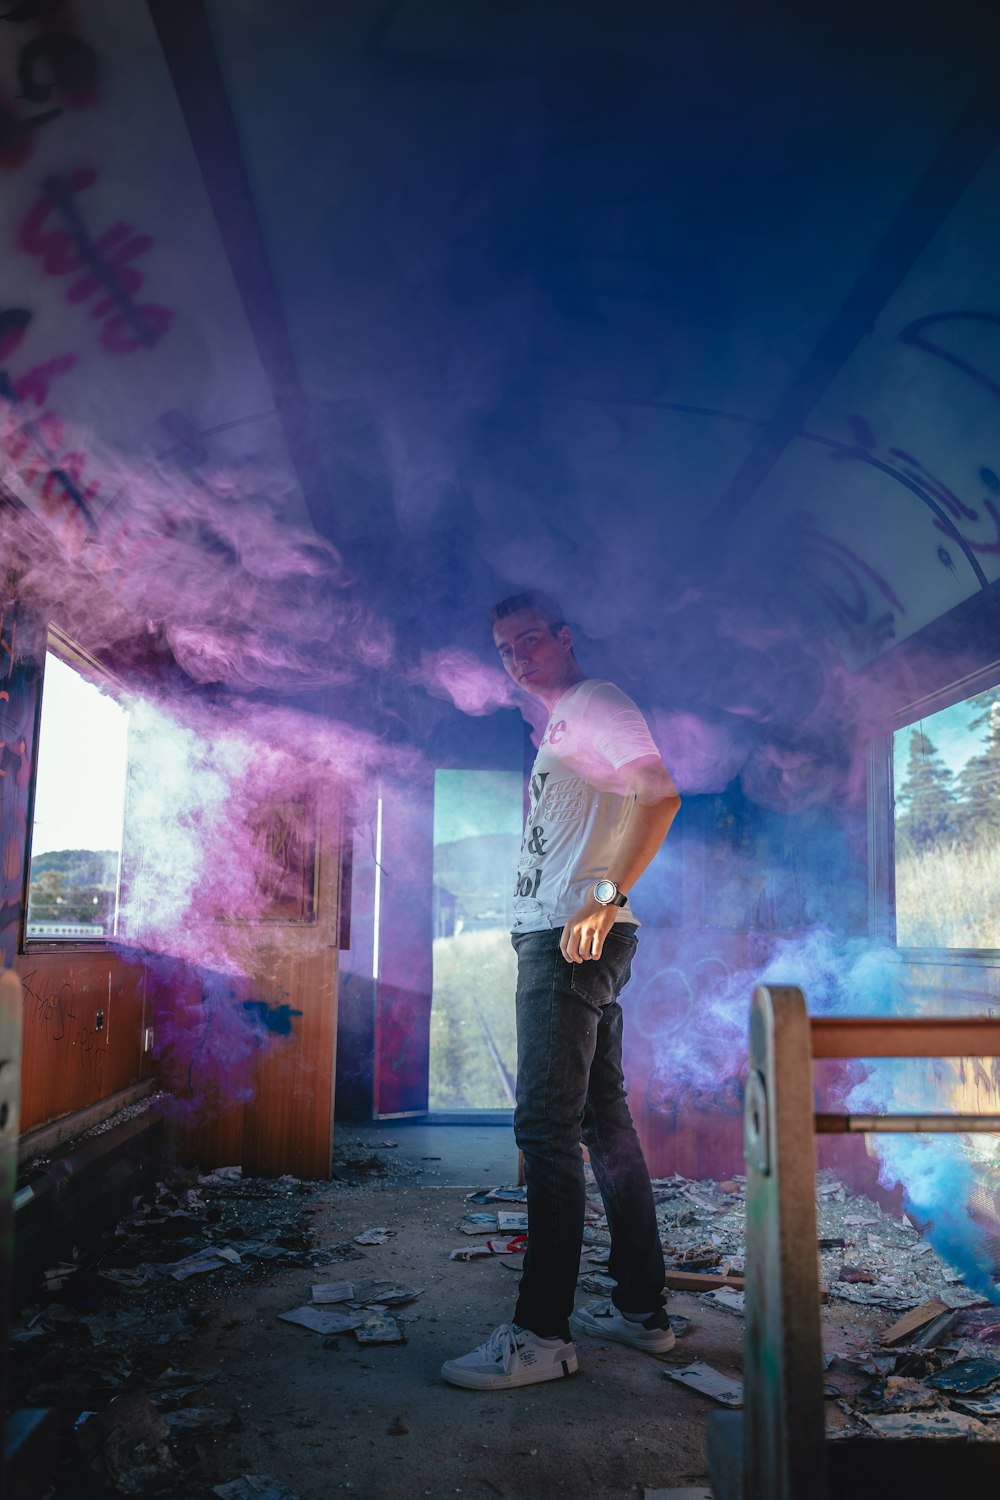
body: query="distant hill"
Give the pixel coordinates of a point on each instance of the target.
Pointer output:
(479, 871)
(79, 867)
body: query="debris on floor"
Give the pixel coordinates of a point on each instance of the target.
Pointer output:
(379, 1327)
(947, 1424)
(923, 1351)
(697, 1492)
(725, 1389)
(333, 1291)
(109, 1326)
(254, 1487)
(325, 1320)
(373, 1237)
(498, 1195)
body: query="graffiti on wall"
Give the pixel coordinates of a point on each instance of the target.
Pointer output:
(100, 267)
(55, 1012)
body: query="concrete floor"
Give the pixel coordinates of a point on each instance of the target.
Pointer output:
(441, 1155)
(328, 1420)
(378, 1422)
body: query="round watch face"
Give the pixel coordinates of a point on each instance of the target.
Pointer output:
(605, 891)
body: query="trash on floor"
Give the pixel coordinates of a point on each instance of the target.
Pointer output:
(323, 1320)
(387, 1293)
(212, 1258)
(947, 1424)
(967, 1376)
(254, 1487)
(129, 1443)
(498, 1195)
(380, 1236)
(913, 1321)
(333, 1291)
(515, 1246)
(979, 1406)
(725, 1389)
(511, 1221)
(727, 1299)
(379, 1327)
(688, 1493)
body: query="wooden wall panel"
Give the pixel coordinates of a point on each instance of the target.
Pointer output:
(280, 1117)
(289, 1123)
(69, 1060)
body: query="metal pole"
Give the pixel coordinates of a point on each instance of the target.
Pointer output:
(901, 1124)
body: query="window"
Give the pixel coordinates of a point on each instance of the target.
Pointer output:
(477, 831)
(76, 838)
(946, 824)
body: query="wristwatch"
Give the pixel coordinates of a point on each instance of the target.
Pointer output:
(606, 893)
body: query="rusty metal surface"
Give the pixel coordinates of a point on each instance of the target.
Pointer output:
(783, 1427)
(905, 1036)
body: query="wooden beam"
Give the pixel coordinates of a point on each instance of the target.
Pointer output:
(904, 1036)
(185, 35)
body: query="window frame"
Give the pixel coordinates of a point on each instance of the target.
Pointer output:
(882, 822)
(81, 661)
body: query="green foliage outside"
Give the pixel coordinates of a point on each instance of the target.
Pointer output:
(933, 807)
(475, 974)
(74, 885)
(948, 842)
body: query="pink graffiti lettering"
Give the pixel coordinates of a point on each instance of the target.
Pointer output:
(34, 385)
(106, 263)
(991, 546)
(117, 250)
(118, 338)
(55, 246)
(7, 645)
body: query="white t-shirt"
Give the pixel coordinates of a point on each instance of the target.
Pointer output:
(578, 804)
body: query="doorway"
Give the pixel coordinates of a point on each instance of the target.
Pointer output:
(477, 831)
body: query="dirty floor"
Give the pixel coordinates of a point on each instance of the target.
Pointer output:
(323, 1414)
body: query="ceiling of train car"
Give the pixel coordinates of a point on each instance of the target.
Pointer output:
(568, 282)
(685, 310)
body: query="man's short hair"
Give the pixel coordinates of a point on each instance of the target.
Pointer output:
(542, 604)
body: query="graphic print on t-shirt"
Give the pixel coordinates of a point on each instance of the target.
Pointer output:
(578, 805)
(533, 842)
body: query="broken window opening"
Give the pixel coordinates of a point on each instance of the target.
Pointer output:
(945, 769)
(74, 881)
(473, 1050)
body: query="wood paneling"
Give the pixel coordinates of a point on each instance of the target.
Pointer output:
(279, 1116)
(69, 1060)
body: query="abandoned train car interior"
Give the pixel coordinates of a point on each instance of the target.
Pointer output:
(499, 749)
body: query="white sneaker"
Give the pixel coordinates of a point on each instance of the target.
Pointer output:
(603, 1320)
(511, 1356)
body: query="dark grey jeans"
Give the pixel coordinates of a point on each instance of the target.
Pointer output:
(570, 1087)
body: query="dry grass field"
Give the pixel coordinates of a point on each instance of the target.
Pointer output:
(949, 897)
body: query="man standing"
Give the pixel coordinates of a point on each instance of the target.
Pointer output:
(600, 804)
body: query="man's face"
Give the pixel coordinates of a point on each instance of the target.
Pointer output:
(533, 656)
